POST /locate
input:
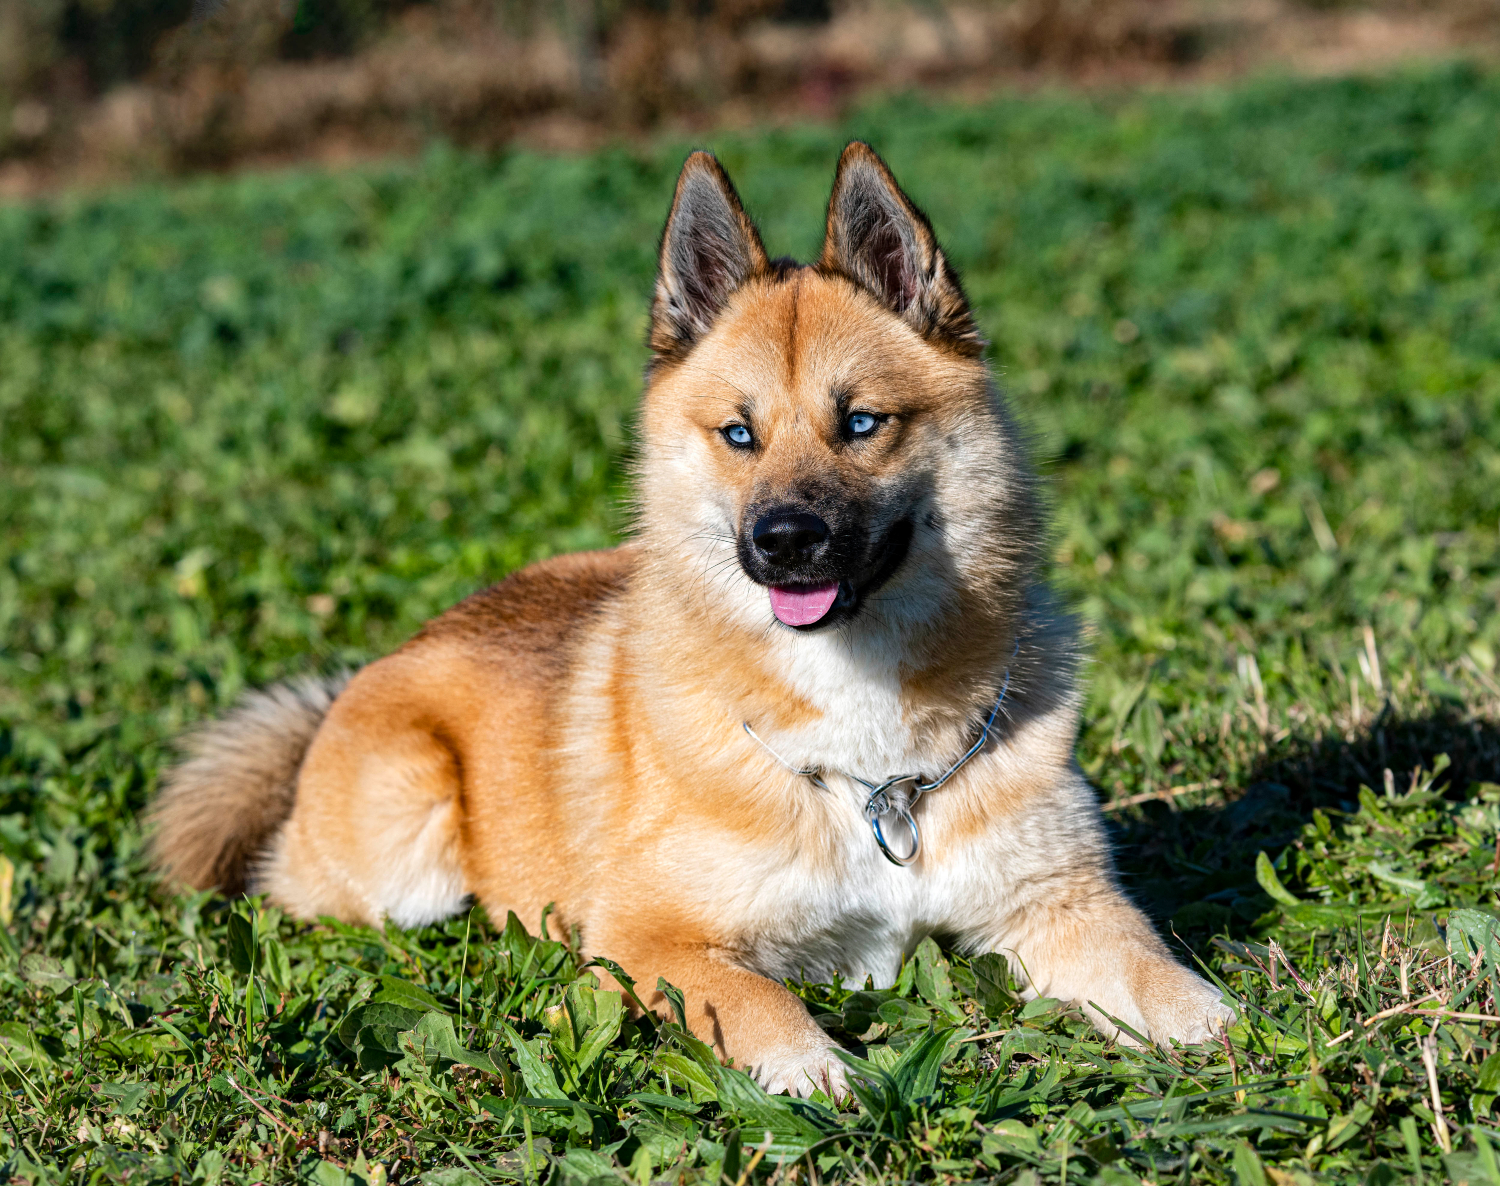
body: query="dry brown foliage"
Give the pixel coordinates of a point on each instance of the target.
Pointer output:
(225, 88)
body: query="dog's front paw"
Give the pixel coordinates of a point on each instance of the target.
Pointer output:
(801, 1070)
(1206, 1025)
(1163, 1003)
(1184, 1008)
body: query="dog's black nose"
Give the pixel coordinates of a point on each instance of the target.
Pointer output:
(793, 538)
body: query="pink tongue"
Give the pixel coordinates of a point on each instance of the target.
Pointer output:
(802, 605)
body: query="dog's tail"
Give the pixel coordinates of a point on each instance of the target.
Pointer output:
(221, 806)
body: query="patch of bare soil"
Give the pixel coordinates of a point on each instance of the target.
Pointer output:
(216, 99)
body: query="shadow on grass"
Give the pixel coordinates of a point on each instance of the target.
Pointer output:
(1193, 869)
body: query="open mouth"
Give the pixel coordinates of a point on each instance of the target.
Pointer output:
(804, 605)
(813, 605)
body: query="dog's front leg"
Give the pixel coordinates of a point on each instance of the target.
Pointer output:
(749, 1020)
(1083, 942)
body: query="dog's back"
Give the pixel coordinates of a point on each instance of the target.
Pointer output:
(222, 816)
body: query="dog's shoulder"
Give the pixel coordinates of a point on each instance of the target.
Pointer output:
(538, 610)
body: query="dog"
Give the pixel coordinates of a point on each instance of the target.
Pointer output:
(820, 705)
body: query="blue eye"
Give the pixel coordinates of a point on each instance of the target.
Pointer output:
(738, 436)
(861, 424)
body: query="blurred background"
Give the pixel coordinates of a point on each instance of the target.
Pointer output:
(97, 89)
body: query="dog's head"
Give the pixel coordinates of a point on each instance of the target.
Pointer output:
(823, 442)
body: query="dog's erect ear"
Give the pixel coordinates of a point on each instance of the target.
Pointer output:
(710, 248)
(879, 239)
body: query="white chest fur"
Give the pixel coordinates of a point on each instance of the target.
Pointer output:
(814, 895)
(855, 684)
(830, 901)
(793, 911)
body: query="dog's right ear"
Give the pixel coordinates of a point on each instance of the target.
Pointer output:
(709, 249)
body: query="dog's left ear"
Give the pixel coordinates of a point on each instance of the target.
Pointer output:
(879, 239)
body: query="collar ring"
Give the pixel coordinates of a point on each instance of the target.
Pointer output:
(879, 805)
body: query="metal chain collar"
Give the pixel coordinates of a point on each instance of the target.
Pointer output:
(885, 798)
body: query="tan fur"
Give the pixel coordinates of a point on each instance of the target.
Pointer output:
(217, 810)
(573, 735)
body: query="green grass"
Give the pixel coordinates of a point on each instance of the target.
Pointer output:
(259, 426)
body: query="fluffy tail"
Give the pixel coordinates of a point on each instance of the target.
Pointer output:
(220, 807)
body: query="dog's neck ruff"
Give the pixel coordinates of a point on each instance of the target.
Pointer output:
(887, 798)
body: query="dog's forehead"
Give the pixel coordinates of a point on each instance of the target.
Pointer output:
(806, 338)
